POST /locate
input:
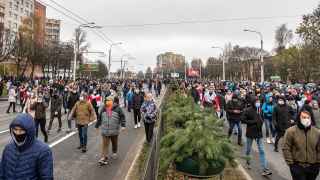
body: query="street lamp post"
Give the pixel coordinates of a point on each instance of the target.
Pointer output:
(87, 25)
(109, 65)
(223, 63)
(261, 53)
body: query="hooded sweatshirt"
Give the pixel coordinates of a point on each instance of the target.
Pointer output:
(31, 160)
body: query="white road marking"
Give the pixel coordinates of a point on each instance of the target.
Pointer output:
(5, 131)
(66, 137)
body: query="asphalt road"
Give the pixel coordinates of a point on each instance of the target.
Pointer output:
(70, 163)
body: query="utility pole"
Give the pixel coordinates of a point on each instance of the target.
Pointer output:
(109, 65)
(261, 52)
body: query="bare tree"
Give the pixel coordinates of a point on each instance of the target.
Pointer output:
(283, 36)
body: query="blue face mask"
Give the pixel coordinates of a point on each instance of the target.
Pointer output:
(258, 104)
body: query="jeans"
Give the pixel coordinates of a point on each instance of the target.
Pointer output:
(13, 104)
(233, 123)
(69, 120)
(269, 127)
(83, 134)
(262, 156)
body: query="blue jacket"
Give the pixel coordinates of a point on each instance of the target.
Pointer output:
(30, 161)
(130, 96)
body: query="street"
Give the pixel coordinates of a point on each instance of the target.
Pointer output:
(70, 163)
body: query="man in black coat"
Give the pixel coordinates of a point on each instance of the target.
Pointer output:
(281, 119)
(234, 110)
(254, 123)
(137, 101)
(72, 100)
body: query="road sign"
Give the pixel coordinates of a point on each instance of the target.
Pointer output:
(89, 67)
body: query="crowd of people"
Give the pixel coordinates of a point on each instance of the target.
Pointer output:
(83, 102)
(288, 112)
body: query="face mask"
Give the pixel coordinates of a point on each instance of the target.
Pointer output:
(257, 104)
(95, 93)
(19, 139)
(81, 98)
(39, 100)
(306, 122)
(281, 102)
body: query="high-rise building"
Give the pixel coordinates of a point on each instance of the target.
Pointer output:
(170, 62)
(40, 22)
(16, 11)
(2, 11)
(52, 31)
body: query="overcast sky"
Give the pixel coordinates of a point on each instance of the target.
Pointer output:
(192, 40)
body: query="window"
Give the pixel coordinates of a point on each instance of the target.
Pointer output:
(21, 9)
(15, 26)
(15, 16)
(26, 13)
(10, 13)
(10, 4)
(27, 4)
(16, 7)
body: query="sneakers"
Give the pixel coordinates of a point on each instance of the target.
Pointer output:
(276, 150)
(79, 147)
(103, 161)
(114, 156)
(139, 125)
(135, 126)
(266, 172)
(268, 140)
(273, 140)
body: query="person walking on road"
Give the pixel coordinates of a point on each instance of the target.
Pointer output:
(254, 122)
(12, 98)
(234, 110)
(25, 157)
(137, 101)
(267, 110)
(40, 116)
(84, 114)
(111, 120)
(56, 106)
(301, 148)
(149, 110)
(281, 119)
(72, 100)
(130, 98)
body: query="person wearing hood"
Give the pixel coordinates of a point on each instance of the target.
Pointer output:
(254, 122)
(301, 148)
(55, 110)
(84, 113)
(25, 157)
(234, 110)
(281, 119)
(267, 110)
(307, 106)
(111, 119)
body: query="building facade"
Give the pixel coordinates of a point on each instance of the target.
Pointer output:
(40, 22)
(170, 62)
(52, 31)
(16, 11)
(2, 11)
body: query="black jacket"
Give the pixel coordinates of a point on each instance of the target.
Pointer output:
(281, 118)
(254, 122)
(137, 101)
(73, 98)
(231, 106)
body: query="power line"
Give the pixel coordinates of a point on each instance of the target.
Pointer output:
(199, 21)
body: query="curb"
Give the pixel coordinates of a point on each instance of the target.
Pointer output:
(244, 172)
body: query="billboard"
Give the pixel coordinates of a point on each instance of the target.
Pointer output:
(89, 67)
(193, 72)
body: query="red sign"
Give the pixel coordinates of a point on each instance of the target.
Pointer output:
(193, 72)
